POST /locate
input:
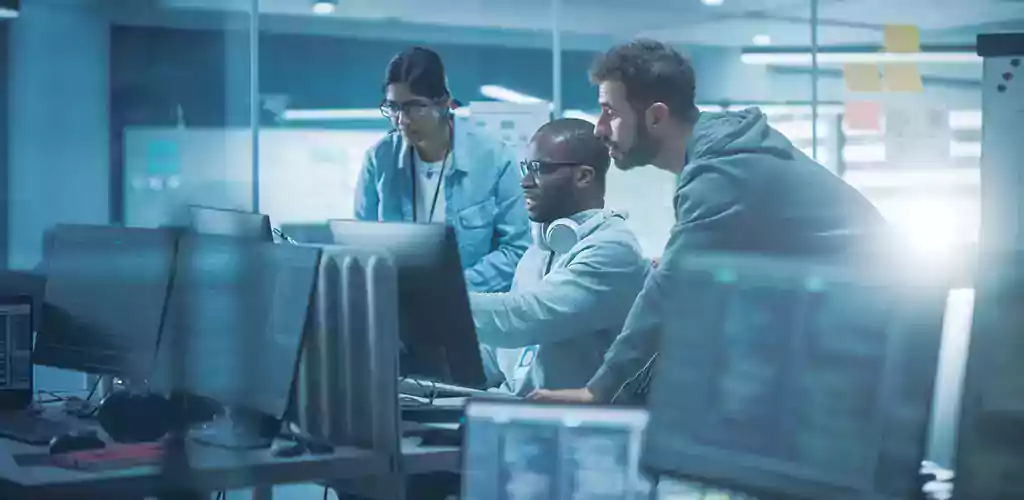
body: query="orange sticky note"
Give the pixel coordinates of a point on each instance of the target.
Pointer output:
(862, 78)
(863, 115)
(903, 38)
(902, 77)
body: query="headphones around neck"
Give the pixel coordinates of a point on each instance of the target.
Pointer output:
(561, 235)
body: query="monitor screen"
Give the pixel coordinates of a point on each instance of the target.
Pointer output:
(235, 319)
(105, 292)
(234, 223)
(518, 450)
(789, 379)
(435, 326)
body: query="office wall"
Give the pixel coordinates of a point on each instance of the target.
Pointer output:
(327, 72)
(58, 120)
(58, 116)
(721, 76)
(4, 174)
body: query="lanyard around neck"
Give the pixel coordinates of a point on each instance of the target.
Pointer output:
(437, 187)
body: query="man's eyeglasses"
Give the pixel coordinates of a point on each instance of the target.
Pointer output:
(534, 168)
(411, 109)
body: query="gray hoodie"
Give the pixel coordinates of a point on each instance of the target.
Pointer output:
(745, 188)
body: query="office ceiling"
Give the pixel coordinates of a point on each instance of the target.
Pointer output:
(734, 23)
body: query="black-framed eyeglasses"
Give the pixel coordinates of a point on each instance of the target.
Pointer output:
(533, 168)
(411, 109)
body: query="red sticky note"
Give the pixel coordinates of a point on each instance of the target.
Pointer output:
(863, 115)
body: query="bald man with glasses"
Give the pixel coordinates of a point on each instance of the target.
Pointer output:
(575, 285)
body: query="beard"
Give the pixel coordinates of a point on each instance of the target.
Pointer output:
(643, 152)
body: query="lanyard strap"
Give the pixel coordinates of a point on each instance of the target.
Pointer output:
(551, 260)
(437, 187)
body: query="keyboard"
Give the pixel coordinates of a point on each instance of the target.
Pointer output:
(428, 389)
(32, 428)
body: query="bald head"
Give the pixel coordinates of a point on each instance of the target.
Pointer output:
(565, 171)
(572, 140)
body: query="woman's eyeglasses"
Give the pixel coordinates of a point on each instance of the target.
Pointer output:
(411, 109)
(534, 168)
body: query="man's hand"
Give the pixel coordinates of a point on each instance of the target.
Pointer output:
(563, 396)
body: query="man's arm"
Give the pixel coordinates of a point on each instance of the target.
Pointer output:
(493, 273)
(367, 201)
(600, 282)
(709, 210)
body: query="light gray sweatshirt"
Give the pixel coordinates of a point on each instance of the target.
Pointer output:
(573, 313)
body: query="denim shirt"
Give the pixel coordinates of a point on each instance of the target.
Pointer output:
(483, 201)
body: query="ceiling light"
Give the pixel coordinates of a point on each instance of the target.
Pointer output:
(297, 115)
(9, 8)
(325, 7)
(804, 58)
(762, 40)
(713, 3)
(499, 93)
(580, 115)
(341, 114)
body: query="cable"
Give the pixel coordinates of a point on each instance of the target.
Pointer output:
(52, 394)
(634, 378)
(327, 489)
(95, 385)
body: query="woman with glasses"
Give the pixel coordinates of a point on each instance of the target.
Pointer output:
(425, 170)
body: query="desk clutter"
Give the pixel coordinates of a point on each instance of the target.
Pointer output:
(265, 354)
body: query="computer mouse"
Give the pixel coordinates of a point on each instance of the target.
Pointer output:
(285, 448)
(76, 441)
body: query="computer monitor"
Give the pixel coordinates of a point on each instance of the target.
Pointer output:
(227, 222)
(435, 326)
(990, 431)
(528, 450)
(235, 318)
(786, 379)
(316, 234)
(104, 299)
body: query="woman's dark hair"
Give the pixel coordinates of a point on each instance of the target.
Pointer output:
(421, 69)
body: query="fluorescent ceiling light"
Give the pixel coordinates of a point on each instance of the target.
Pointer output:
(499, 93)
(965, 119)
(579, 114)
(325, 7)
(6, 13)
(713, 3)
(298, 115)
(913, 178)
(320, 115)
(761, 40)
(804, 58)
(794, 109)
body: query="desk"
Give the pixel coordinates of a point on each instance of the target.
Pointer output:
(422, 459)
(212, 469)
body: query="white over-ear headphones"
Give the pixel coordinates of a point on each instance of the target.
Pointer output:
(561, 235)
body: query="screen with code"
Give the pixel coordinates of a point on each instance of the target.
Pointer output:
(15, 346)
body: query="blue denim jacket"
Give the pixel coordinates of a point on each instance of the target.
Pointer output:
(483, 202)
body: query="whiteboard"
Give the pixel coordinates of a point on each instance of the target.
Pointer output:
(306, 175)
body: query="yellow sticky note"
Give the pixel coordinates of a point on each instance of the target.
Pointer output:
(902, 77)
(902, 38)
(862, 78)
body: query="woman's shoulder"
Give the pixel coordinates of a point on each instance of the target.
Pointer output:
(388, 146)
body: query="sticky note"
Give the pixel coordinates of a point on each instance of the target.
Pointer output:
(903, 38)
(902, 77)
(862, 78)
(863, 115)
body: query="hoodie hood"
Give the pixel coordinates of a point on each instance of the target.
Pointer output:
(718, 135)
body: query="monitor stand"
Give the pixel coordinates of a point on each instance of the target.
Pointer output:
(239, 429)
